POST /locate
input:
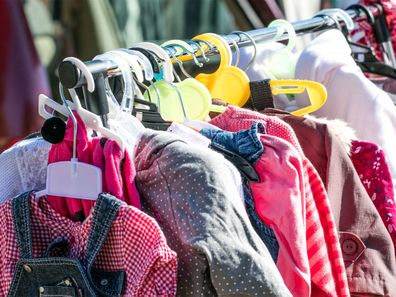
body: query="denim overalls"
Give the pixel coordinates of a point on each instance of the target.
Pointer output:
(62, 276)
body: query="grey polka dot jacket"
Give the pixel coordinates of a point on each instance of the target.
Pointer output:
(188, 190)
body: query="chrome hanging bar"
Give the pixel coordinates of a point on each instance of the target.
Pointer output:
(71, 77)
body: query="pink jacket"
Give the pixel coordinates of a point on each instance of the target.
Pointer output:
(118, 174)
(280, 203)
(322, 251)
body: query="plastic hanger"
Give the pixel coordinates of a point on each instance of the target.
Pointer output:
(363, 55)
(196, 97)
(46, 103)
(380, 30)
(94, 122)
(72, 178)
(167, 67)
(123, 65)
(282, 63)
(90, 119)
(317, 93)
(239, 33)
(164, 80)
(135, 64)
(200, 49)
(147, 68)
(338, 13)
(228, 83)
(120, 119)
(90, 82)
(136, 60)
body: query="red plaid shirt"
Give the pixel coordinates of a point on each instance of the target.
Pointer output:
(134, 244)
(323, 248)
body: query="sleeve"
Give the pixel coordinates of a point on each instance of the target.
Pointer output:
(151, 265)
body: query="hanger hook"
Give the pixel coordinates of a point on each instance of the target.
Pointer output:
(369, 15)
(339, 13)
(84, 70)
(180, 99)
(237, 50)
(281, 26)
(158, 51)
(239, 33)
(192, 53)
(155, 57)
(62, 95)
(200, 49)
(128, 92)
(210, 46)
(180, 63)
(157, 93)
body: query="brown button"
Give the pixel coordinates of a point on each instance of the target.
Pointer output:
(352, 247)
(27, 268)
(349, 246)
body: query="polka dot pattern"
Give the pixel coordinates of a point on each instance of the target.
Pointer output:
(188, 191)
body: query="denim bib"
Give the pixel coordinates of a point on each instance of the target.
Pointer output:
(61, 276)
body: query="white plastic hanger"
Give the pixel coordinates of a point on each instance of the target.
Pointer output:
(160, 52)
(338, 13)
(132, 61)
(90, 119)
(72, 179)
(282, 63)
(121, 120)
(144, 63)
(167, 75)
(84, 70)
(46, 102)
(135, 63)
(94, 122)
(123, 66)
(148, 71)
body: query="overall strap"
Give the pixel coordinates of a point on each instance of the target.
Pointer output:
(106, 210)
(20, 212)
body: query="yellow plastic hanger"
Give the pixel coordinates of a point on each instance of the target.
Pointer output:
(317, 93)
(228, 83)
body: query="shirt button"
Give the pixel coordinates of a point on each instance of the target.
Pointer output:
(104, 282)
(41, 289)
(349, 246)
(27, 268)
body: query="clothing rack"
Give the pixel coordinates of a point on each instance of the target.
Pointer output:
(71, 77)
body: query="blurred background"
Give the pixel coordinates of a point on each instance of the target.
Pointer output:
(38, 34)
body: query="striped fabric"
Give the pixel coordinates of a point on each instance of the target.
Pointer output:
(327, 268)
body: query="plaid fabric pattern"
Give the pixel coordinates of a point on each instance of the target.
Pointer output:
(324, 250)
(134, 244)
